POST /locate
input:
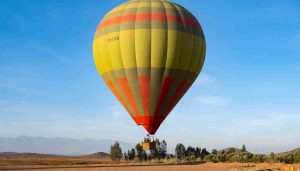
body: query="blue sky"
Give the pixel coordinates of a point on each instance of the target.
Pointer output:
(248, 91)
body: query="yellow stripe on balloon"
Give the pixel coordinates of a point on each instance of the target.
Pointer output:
(180, 49)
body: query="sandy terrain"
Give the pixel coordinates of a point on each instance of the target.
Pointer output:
(197, 167)
(105, 164)
(23, 161)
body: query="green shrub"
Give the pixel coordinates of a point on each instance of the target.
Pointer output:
(116, 152)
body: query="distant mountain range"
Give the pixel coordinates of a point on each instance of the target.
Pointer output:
(96, 155)
(292, 152)
(31, 146)
(14, 154)
(57, 146)
(237, 150)
(103, 154)
(232, 149)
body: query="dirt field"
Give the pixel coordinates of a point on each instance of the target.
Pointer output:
(32, 161)
(105, 164)
(201, 167)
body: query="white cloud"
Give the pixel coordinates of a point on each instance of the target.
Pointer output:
(21, 89)
(209, 83)
(205, 80)
(50, 51)
(11, 86)
(272, 120)
(118, 112)
(213, 100)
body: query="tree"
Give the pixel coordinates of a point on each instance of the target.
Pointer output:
(160, 150)
(297, 157)
(246, 156)
(126, 156)
(163, 149)
(116, 152)
(210, 158)
(288, 159)
(190, 154)
(228, 156)
(180, 151)
(144, 155)
(198, 152)
(139, 150)
(230, 150)
(221, 157)
(272, 157)
(131, 154)
(236, 158)
(204, 152)
(190, 151)
(243, 148)
(214, 151)
(258, 158)
(155, 153)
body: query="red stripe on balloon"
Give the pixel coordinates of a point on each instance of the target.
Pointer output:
(182, 88)
(165, 87)
(123, 82)
(151, 129)
(153, 17)
(144, 120)
(117, 94)
(144, 83)
(150, 123)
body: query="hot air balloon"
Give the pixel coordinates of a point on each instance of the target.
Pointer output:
(149, 52)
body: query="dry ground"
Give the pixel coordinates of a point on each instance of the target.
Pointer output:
(23, 161)
(105, 164)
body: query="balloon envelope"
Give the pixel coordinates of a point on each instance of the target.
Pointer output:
(149, 53)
